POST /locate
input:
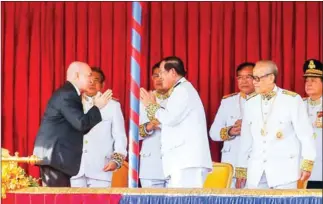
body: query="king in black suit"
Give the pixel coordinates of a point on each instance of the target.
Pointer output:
(59, 141)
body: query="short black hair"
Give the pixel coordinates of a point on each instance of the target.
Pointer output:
(99, 70)
(176, 63)
(156, 66)
(244, 65)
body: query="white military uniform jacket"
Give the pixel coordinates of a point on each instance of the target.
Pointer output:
(314, 109)
(276, 153)
(230, 110)
(104, 139)
(184, 138)
(150, 155)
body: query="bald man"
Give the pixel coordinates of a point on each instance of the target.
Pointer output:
(59, 140)
(278, 132)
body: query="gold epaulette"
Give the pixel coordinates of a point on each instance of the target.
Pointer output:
(290, 93)
(229, 95)
(307, 165)
(252, 95)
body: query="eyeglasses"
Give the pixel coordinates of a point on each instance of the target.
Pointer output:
(257, 78)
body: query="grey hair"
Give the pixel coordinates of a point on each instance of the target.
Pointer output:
(271, 65)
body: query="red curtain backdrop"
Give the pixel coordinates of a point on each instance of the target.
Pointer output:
(40, 39)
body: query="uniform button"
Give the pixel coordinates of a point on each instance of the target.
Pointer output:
(265, 161)
(264, 142)
(85, 151)
(264, 151)
(85, 141)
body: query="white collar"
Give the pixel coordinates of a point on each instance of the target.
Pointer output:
(90, 98)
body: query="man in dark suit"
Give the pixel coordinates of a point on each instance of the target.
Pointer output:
(59, 141)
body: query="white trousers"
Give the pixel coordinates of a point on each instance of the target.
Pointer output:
(153, 183)
(188, 178)
(264, 185)
(85, 182)
(233, 183)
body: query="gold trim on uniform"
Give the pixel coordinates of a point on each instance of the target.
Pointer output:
(290, 93)
(243, 95)
(241, 172)
(224, 133)
(279, 135)
(314, 103)
(161, 96)
(252, 95)
(229, 95)
(142, 131)
(268, 95)
(307, 165)
(151, 110)
(314, 72)
(118, 158)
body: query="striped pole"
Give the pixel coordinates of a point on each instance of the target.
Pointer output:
(136, 33)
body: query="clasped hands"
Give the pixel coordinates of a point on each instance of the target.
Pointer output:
(103, 99)
(146, 97)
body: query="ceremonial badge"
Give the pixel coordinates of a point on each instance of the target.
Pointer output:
(279, 135)
(314, 135)
(311, 65)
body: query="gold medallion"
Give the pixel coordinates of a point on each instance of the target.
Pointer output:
(279, 135)
(314, 135)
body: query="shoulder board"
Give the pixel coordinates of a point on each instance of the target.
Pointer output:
(230, 95)
(290, 93)
(305, 99)
(252, 95)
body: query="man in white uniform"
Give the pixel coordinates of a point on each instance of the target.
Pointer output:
(274, 126)
(151, 170)
(105, 146)
(313, 73)
(227, 123)
(184, 141)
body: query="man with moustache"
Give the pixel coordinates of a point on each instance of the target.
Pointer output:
(59, 140)
(184, 142)
(313, 73)
(277, 130)
(151, 169)
(227, 123)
